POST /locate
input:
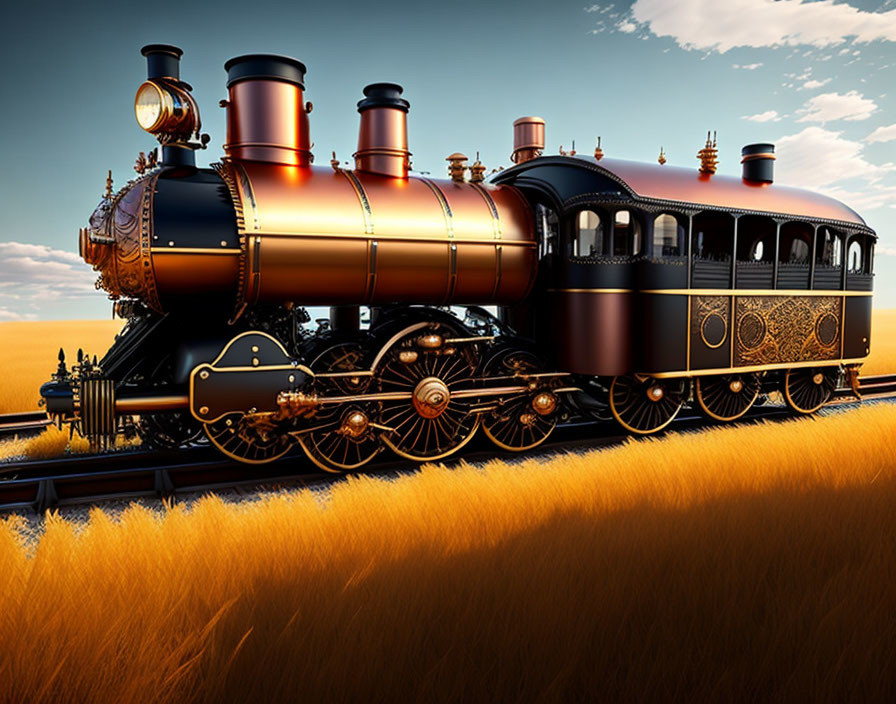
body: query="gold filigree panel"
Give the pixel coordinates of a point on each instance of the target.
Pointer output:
(781, 329)
(127, 220)
(709, 320)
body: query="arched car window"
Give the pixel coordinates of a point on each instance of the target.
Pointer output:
(854, 258)
(829, 247)
(547, 227)
(667, 236)
(799, 251)
(713, 236)
(590, 235)
(757, 251)
(626, 233)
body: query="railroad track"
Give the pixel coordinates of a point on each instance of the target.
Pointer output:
(871, 387)
(23, 423)
(37, 485)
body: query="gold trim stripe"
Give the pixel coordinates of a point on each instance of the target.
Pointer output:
(740, 292)
(490, 202)
(193, 250)
(688, 336)
(247, 196)
(591, 290)
(400, 238)
(756, 368)
(362, 197)
(446, 209)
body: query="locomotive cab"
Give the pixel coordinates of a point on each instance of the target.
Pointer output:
(667, 272)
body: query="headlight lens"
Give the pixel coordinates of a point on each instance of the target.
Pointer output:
(149, 106)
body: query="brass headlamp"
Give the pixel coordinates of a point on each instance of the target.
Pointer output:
(167, 110)
(164, 105)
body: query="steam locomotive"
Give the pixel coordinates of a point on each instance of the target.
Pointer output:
(623, 290)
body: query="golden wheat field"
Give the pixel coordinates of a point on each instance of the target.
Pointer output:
(751, 563)
(28, 354)
(882, 359)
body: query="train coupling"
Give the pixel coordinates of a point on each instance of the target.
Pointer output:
(84, 399)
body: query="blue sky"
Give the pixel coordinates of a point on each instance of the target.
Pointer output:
(815, 78)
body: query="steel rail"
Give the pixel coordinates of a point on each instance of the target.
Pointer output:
(37, 485)
(23, 423)
(870, 387)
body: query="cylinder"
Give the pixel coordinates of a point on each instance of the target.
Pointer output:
(345, 318)
(266, 116)
(162, 61)
(759, 162)
(383, 135)
(528, 139)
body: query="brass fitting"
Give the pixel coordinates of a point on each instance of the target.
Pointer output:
(296, 404)
(457, 165)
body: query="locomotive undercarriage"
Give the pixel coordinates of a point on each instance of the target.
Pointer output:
(420, 383)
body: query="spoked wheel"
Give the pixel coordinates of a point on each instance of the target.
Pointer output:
(343, 438)
(807, 389)
(168, 431)
(727, 397)
(434, 422)
(525, 421)
(248, 439)
(645, 404)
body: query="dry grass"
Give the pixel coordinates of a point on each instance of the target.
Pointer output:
(749, 563)
(882, 359)
(28, 355)
(52, 442)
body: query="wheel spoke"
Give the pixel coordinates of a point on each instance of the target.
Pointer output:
(636, 410)
(807, 389)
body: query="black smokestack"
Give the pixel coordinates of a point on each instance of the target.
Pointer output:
(162, 61)
(759, 162)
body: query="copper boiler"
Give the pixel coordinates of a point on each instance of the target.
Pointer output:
(375, 235)
(319, 236)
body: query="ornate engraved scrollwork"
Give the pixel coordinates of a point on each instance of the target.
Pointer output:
(124, 225)
(709, 320)
(782, 329)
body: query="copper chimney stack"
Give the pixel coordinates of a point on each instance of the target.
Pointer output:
(528, 139)
(759, 162)
(383, 136)
(267, 119)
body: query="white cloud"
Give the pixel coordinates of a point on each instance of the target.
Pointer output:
(626, 27)
(767, 116)
(812, 84)
(823, 160)
(827, 107)
(38, 251)
(711, 25)
(7, 315)
(747, 67)
(34, 276)
(882, 134)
